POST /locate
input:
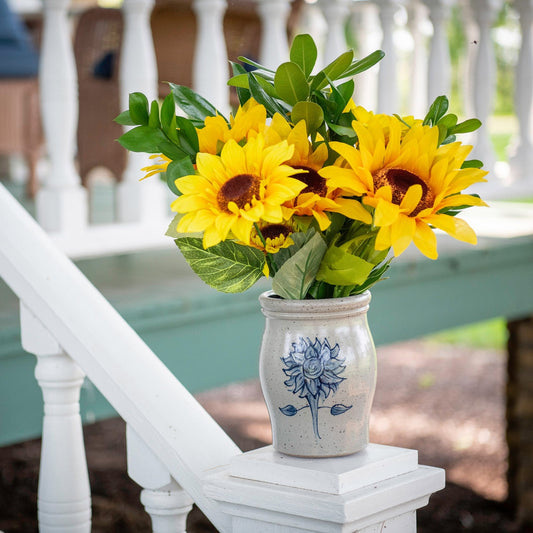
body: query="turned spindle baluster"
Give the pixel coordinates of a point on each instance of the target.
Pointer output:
(164, 500)
(64, 495)
(210, 68)
(61, 202)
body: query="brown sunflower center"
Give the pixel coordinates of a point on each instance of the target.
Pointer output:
(273, 231)
(399, 180)
(314, 181)
(239, 189)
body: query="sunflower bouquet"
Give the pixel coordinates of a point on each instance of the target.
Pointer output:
(301, 184)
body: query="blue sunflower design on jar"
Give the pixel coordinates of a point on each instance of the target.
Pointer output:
(314, 370)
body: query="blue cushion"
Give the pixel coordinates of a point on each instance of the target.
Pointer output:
(18, 57)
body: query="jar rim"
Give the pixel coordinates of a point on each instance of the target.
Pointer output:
(275, 306)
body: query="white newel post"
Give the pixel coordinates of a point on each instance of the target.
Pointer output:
(210, 66)
(388, 96)
(274, 48)
(418, 92)
(64, 495)
(439, 68)
(61, 202)
(484, 83)
(336, 13)
(373, 491)
(138, 202)
(521, 157)
(164, 500)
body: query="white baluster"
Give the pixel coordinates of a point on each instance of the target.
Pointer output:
(164, 500)
(64, 495)
(274, 43)
(336, 13)
(439, 71)
(521, 158)
(388, 96)
(138, 73)
(484, 12)
(418, 101)
(62, 201)
(210, 67)
(366, 26)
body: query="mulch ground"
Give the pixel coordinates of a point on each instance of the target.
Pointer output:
(445, 401)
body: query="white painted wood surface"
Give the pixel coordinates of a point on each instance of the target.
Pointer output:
(274, 48)
(521, 159)
(61, 202)
(484, 78)
(64, 495)
(370, 492)
(138, 73)
(336, 13)
(439, 63)
(210, 66)
(388, 95)
(142, 390)
(164, 500)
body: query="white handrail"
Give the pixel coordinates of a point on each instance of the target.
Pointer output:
(138, 385)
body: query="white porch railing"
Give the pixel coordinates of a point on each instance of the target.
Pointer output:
(69, 326)
(142, 210)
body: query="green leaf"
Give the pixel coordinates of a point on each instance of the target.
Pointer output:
(254, 64)
(171, 150)
(172, 227)
(449, 120)
(293, 280)
(153, 119)
(177, 169)
(240, 80)
(261, 96)
(243, 93)
(472, 163)
(290, 83)
(467, 126)
(267, 86)
(168, 117)
(310, 112)
(192, 104)
(333, 71)
(227, 266)
(138, 108)
(125, 119)
(436, 111)
(364, 64)
(304, 53)
(187, 135)
(344, 131)
(143, 139)
(341, 268)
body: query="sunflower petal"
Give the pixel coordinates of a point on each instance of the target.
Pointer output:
(454, 226)
(425, 240)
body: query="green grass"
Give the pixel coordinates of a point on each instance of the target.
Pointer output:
(491, 334)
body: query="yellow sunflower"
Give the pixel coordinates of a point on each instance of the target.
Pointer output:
(160, 165)
(272, 237)
(231, 192)
(249, 120)
(318, 197)
(407, 178)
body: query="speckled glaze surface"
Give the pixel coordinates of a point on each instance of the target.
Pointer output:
(318, 374)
